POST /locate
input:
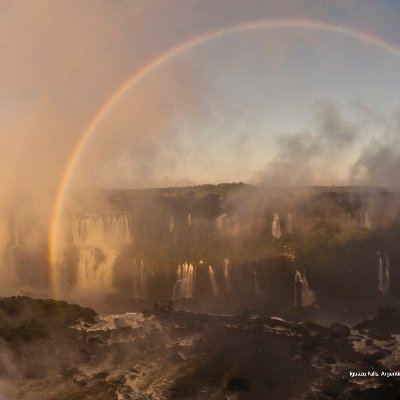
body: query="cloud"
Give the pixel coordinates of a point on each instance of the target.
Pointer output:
(379, 162)
(310, 157)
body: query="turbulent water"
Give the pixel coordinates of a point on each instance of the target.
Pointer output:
(180, 355)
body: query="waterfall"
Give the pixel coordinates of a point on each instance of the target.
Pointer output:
(139, 280)
(117, 231)
(276, 227)
(212, 280)
(257, 290)
(289, 224)
(227, 275)
(185, 280)
(171, 223)
(99, 241)
(365, 222)
(383, 272)
(220, 221)
(307, 295)
(189, 219)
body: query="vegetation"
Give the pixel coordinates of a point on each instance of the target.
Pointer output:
(23, 319)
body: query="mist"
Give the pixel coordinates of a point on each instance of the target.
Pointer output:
(246, 189)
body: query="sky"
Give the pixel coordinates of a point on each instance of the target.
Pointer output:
(280, 106)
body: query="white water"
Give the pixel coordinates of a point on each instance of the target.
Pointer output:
(139, 280)
(99, 240)
(227, 275)
(365, 221)
(383, 272)
(307, 295)
(220, 221)
(185, 282)
(289, 223)
(213, 281)
(276, 227)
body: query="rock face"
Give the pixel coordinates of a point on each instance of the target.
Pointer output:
(62, 351)
(339, 331)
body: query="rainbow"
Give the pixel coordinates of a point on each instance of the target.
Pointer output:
(157, 62)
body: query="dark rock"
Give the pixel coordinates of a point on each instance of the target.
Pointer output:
(118, 381)
(101, 375)
(68, 371)
(378, 355)
(307, 345)
(312, 327)
(380, 334)
(333, 388)
(373, 394)
(339, 331)
(369, 342)
(238, 385)
(329, 359)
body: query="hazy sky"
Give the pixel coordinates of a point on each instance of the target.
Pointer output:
(276, 106)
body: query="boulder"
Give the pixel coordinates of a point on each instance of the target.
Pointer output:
(339, 331)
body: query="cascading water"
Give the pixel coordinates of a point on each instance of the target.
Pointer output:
(185, 281)
(213, 281)
(227, 275)
(289, 223)
(139, 280)
(365, 221)
(220, 221)
(307, 296)
(119, 233)
(189, 219)
(99, 241)
(171, 223)
(383, 272)
(276, 227)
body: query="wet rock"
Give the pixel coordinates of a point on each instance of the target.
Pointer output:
(101, 375)
(378, 355)
(339, 331)
(307, 345)
(369, 342)
(68, 371)
(380, 334)
(117, 381)
(238, 385)
(313, 327)
(333, 388)
(373, 394)
(387, 319)
(329, 358)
